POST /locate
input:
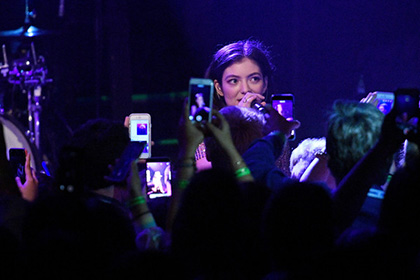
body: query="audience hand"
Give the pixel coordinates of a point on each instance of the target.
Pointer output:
(191, 134)
(220, 130)
(276, 122)
(370, 98)
(29, 189)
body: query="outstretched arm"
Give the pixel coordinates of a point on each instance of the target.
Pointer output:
(221, 133)
(136, 202)
(372, 169)
(191, 135)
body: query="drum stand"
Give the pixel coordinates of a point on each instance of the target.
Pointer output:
(30, 74)
(34, 112)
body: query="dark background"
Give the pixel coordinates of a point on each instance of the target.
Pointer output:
(109, 58)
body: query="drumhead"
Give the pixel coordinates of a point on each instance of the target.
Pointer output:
(15, 137)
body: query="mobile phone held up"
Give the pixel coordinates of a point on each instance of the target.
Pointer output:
(121, 169)
(158, 177)
(406, 105)
(200, 99)
(17, 159)
(284, 103)
(385, 101)
(140, 129)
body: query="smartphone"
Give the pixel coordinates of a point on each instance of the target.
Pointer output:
(200, 99)
(158, 177)
(385, 101)
(284, 103)
(17, 159)
(122, 167)
(140, 129)
(407, 103)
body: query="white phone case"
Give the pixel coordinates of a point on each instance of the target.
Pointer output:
(140, 129)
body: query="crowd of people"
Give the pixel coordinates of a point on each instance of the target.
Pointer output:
(347, 209)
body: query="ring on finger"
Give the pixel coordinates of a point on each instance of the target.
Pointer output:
(245, 100)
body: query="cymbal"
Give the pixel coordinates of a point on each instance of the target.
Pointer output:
(31, 31)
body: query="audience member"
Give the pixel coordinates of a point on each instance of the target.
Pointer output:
(262, 154)
(246, 125)
(304, 154)
(389, 250)
(191, 135)
(216, 231)
(298, 231)
(309, 162)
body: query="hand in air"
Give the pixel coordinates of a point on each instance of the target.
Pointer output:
(191, 134)
(276, 122)
(29, 189)
(220, 130)
(370, 98)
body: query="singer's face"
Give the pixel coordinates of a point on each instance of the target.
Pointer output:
(240, 78)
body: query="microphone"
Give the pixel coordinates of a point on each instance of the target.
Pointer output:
(260, 108)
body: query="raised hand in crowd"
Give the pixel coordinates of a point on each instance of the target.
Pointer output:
(190, 136)
(29, 189)
(7, 184)
(219, 129)
(276, 122)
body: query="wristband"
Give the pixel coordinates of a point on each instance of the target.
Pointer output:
(388, 179)
(141, 214)
(187, 164)
(136, 201)
(241, 172)
(184, 164)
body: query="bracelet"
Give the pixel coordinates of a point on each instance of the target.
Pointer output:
(237, 163)
(241, 172)
(139, 215)
(182, 184)
(388, 179)
(190, 162)
(136, 201)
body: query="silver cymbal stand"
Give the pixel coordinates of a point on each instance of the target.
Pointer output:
(31, 75)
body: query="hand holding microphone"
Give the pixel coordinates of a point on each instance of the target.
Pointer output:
(250, 98)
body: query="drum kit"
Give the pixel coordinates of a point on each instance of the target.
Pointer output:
(29, 75)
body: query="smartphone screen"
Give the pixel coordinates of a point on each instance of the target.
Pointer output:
(284, 105)
(200, 99)
(158, 177)
(385, 101)
(140, 130)
(407, 102)
(17, 158)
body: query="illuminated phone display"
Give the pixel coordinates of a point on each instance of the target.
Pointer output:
(158, 178)
(140, 130)
(200, 99)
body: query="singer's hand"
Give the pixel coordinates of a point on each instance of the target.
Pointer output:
(250, 98)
